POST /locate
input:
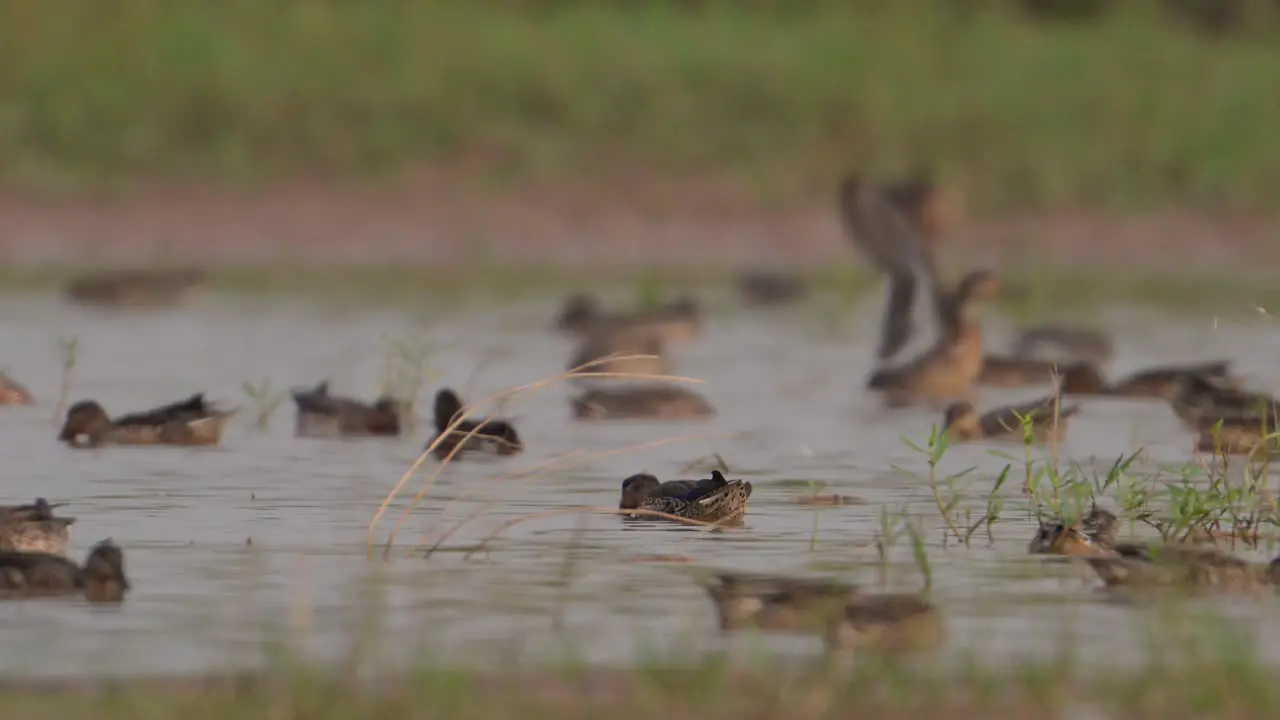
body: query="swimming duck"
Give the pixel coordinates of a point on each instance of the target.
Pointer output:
(1048, 417)
(135, 288)
(1096, 534)
(1064, 344)
(187, 422)
(775, 603)
(323, 415)
(1236, 433)
(625, 344)
(888, 622)
(36, 574)
(1157, 382)
(948, 370)
(493, 436)
(770, 287)
(13, 392)
(678, 321)
(34, 528)
(1186, 566)
(651, 401)
(1011, 372)
(847, 616)
(1200, 398)
(710, 500)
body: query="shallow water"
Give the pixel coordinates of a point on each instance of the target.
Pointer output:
(787, 385)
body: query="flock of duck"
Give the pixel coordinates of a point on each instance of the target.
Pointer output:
(896, 227)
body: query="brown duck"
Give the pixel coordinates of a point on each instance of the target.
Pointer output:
(34, 528)
(847, 616)
(493, 436)
(620, 352)
(187, 422)
(321, 414)
(1207, 398)
(136, 288)
(1048, 418)
(714, 500)
(1185, 566)
(1064, 344)
(642, 402)
(1007, 371)
(947, 371)
(676, 322)
(13, 392)
(36, 574)
(1158, 382)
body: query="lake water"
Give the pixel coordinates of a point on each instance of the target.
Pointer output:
(264, 537)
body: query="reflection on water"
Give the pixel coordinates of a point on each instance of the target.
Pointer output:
(266, 534)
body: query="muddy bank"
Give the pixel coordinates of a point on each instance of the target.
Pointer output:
(437, 219)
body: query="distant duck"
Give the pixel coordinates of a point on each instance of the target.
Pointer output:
(642, 402)
(34, 528)
(34, 574)
(493, 436)
(321, 414)
(678, 321)
(1047, 418)
(187, 422)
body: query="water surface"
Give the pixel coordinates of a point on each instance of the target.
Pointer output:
(264, 537)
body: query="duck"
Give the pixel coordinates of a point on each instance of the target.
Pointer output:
(642, 402)
(774, 603)
(38, 574)
(187, 422)
(1006, 371)
(898, 228)
(714, 499)
(136, 287)
(1236, 433)
(1048, 417)
(619, 352)
(1096, 534)
(1064, 344)
(771, 287)
(34, 528)
(321, 414)
(1157, 382)
(847, 616)
(676, 322)
(1203, 397)
(13, 392)
(1186, 566)
(947, 371)
(493, 436)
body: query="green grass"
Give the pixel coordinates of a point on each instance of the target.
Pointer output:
(1217, 676)
(1132, 111)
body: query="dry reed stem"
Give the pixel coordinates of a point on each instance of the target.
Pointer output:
(498, 400)
(604, 510)
(569, 459)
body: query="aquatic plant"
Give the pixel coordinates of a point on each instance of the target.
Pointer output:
(69, 352)
(265, 401)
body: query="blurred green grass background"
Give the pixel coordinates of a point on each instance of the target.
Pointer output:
(1135, 109)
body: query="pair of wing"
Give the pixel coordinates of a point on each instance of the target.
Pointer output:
(881, 231)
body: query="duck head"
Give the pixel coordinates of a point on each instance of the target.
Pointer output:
(447, 406)
(86, 424)
(961, 420)
(638, 488)
(579, 311)
(104, 576)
